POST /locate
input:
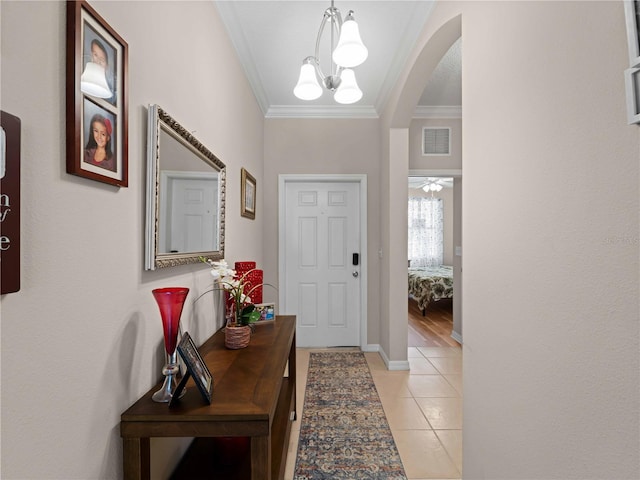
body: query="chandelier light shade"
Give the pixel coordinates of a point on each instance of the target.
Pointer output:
(94, 81)
(308, 87)
(348, 91)
(348, 53)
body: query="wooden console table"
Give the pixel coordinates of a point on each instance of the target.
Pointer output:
(252, 397)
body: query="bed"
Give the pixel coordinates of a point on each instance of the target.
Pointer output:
(430, 284)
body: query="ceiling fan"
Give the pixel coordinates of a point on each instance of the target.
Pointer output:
(430, 184)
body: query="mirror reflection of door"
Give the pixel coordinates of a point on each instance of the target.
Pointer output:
(188, 207)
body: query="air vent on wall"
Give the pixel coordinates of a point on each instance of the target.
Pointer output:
(436, 141)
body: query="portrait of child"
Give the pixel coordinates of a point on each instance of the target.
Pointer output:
(99, 133)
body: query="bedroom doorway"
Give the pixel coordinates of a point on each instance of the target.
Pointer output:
(435, 274)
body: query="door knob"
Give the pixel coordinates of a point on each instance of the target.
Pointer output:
(355, 274)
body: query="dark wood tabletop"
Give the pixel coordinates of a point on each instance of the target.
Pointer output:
(248, 388)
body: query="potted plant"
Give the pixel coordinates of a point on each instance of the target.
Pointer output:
(243, 312)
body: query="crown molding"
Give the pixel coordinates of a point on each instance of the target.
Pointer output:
(231, 20)
(310, 111)
(341, 111)
(442, 111)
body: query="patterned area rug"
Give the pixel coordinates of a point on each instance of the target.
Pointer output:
(344, 433)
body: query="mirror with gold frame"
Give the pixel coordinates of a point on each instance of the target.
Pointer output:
(185, 196)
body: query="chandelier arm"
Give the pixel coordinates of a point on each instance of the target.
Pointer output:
(316, 64)
(318, 39)
(336, 26)
(335, 19)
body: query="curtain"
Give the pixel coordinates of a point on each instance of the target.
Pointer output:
(426, 236)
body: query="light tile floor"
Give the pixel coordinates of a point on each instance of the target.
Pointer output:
(423, 407)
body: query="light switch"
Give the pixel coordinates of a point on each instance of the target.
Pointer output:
(458, 251)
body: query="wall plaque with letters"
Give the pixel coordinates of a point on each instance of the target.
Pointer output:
(9, 203)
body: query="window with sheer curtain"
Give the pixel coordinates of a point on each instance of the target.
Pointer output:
(426, 236)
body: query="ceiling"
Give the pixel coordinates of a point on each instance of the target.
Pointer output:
(272, 38)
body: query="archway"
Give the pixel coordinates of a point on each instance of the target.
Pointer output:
(438, 38)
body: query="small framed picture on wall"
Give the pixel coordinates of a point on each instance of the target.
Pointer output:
(632, 85)
(248, 192)
(96, 103)
(632, 18)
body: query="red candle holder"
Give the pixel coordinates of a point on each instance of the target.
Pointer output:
(170, 301)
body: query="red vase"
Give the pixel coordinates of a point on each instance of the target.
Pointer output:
(170, 302)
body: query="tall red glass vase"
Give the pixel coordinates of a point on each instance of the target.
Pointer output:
(170, 301)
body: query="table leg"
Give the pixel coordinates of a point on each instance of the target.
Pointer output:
(292, 376)
(261, 458)
(135, 458)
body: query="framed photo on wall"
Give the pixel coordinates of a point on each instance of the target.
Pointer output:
(97, 97)
(248, 192)
(632, 85)
(632, 18)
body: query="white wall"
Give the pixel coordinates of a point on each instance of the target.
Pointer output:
(551, 259)
(82, 339)
(561, 347)
(317, 146)
(551, 353)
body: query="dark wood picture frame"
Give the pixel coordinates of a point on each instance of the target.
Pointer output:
(101, 112)
(248, 192)
(195, 368)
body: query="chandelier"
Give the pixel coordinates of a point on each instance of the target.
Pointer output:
(348, 53)
(432, 187)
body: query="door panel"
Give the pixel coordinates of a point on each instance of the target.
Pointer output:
(308, 305)
(338, 305)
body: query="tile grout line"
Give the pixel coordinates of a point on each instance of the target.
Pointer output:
(435, 431)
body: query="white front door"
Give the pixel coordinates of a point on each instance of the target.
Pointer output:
(322, 262)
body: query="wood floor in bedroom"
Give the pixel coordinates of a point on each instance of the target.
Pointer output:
(434, 328)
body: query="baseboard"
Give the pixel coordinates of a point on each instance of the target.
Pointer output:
(456, 336)
(393, 364)
(371, 347)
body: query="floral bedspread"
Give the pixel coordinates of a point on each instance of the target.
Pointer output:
(428, 284)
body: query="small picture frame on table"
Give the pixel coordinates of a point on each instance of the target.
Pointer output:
(248, 189)
(267, 311)
(196, 368)
(96, 97)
